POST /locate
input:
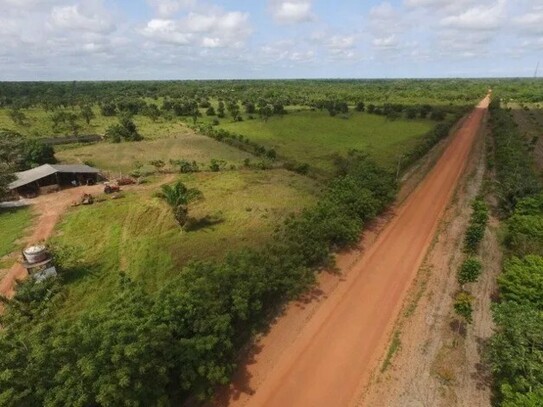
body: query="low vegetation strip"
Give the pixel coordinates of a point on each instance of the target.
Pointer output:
(471, 268)
(515, 352)
(142, 349)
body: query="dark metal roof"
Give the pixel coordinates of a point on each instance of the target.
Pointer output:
(34, 174)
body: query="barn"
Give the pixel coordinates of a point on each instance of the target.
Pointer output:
(49, 177)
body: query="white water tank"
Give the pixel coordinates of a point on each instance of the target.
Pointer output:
(35, 254)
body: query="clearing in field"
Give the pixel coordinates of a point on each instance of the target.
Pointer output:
(315, 137)
(139, 236)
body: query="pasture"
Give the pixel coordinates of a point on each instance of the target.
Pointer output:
(314, 137)
(138, 235)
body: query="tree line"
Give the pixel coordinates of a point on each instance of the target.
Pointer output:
(57, 95)
(471, 268)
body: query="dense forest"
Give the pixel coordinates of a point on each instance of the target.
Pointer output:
(515, 351)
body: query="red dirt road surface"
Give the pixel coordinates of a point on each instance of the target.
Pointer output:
(332, 358)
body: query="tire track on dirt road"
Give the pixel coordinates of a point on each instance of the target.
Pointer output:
(331, 360)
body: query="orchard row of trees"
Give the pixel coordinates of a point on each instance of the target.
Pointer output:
(139, 349)
(471, 267)
(390, 110)
(516, 349)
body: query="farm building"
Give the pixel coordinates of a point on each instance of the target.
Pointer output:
(50, 177)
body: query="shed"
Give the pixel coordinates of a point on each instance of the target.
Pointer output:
(33, 181)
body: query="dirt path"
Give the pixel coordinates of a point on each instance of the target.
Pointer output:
(330, 360)
(49, 208)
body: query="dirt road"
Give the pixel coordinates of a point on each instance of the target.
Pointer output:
(48, 208)
(331, 360)
(439, 363)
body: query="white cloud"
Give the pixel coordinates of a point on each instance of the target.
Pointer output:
(167, 8)
(388, 25)
(341, 42)
(214, 30)
(477, 18)
(386, 43)
(166, 31)
(291, 11)
(81, 18)
(286, 51)
(26, 4)
(439, 4)
(531, 23)
(383, 11)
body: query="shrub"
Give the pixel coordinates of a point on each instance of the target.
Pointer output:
(477, 226)
(470, 270)
(522, 281)
(463, 306)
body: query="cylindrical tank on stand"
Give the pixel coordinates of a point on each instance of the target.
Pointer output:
(35, 254)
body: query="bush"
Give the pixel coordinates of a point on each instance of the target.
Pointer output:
(463, 306)
(470, 270)
(185, 167)
(300, 168)
(477, 226)
(217, 165)
(522, 281)
(515, 351)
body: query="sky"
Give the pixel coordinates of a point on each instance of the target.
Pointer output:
(261, 39)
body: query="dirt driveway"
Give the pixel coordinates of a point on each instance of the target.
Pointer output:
(332, 357)
(48, 208)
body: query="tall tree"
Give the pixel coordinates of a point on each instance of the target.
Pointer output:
(233, 109)
(87, 113)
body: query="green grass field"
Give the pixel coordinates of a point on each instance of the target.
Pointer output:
(138, 235)
(314, 137)
(122, 157)
(13, 224)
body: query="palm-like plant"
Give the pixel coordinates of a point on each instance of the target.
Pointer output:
(178, 197)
